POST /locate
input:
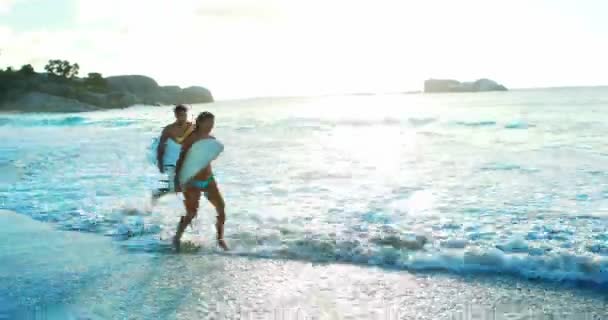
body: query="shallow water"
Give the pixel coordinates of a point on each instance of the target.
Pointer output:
(63, 275)
(496, 182)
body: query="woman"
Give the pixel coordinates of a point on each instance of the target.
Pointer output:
(203, 181)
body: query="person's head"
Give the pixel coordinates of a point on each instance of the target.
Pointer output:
(181, 113)
(205, 121)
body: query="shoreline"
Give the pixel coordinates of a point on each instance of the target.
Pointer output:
(63, 273)
(348, 94)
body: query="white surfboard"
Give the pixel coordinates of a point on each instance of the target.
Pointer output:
(171, 154)
(198, 157)
(152, 150)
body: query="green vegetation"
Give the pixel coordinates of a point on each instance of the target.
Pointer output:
(11, 81)
(60, 89)
(95, 82)
(62, 69)
(61, 79)
(27, 70)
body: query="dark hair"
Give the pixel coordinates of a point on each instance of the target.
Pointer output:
(204, 116)
(180, 108)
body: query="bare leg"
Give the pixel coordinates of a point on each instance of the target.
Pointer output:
(215, 197)
(170, 171)
(191, 202)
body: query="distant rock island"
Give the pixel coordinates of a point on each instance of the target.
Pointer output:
(60, 90)
(446, 85)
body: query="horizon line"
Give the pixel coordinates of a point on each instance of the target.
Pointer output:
(407, 92)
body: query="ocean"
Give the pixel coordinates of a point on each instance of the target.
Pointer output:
(497, 190)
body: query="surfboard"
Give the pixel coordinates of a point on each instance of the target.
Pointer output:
(171, 142)
(152, 150)
(198, 157)
(171, 151)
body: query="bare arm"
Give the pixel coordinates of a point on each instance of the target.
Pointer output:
(160, 152)
(178, 166)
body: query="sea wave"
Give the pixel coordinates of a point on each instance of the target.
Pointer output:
(382, 246)
(506, 166)
(387, 121)
(519, 125)
(418, 254)
(481, 123)
(70, 121)
(38, 122)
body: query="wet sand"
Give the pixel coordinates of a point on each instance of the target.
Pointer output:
(70, 275)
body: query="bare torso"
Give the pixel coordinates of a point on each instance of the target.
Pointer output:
(176, 132)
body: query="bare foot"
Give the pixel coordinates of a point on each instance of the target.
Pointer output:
(222, 244)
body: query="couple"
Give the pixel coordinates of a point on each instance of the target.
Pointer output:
(175, 141)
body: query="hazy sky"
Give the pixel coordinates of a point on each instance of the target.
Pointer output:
(292, 47)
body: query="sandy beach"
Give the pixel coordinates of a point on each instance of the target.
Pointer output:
(74, 275)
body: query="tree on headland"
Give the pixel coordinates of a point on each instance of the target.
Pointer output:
(95, 81)
(73, 70)
(27, 70)
(52, 68)
(62, 69)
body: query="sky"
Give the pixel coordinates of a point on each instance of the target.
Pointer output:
(254, 48)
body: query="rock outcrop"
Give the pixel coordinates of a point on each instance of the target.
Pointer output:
(196, 94)
(448, 85)
(40, 93)
(146, 91)
(132, 83)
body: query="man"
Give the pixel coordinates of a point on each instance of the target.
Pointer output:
(169, 148)
(203, 181)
